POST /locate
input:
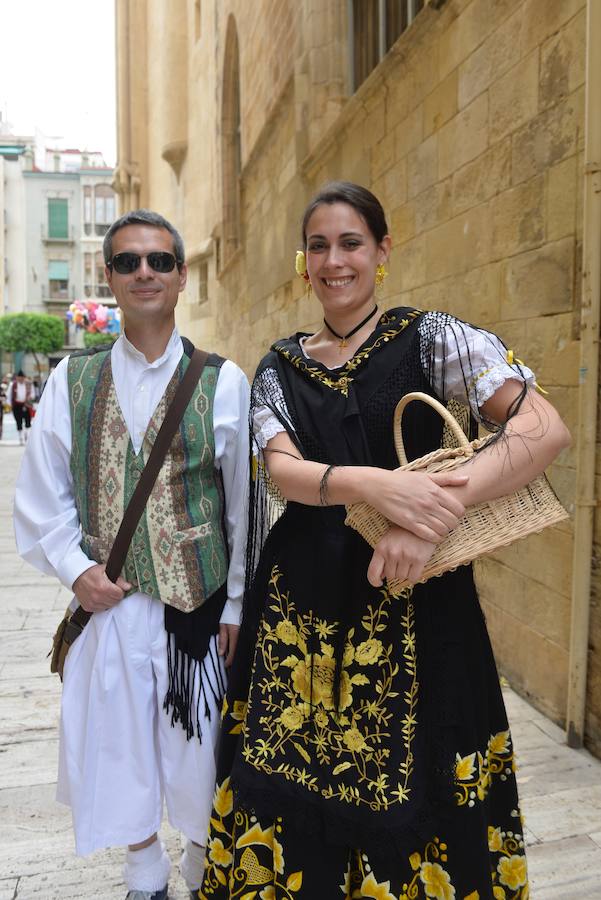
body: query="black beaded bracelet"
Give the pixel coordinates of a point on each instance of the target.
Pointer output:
(323, 485)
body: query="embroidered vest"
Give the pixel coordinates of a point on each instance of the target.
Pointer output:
(178, 553)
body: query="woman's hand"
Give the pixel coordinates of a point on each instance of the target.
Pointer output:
(399, 555)
(416, 501)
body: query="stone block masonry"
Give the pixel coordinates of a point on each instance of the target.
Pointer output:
(470, 131)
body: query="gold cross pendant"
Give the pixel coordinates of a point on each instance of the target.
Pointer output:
(342, 344)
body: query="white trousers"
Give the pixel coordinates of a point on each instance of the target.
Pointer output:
(119, 755)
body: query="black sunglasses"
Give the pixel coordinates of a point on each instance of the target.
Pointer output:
(126, 263)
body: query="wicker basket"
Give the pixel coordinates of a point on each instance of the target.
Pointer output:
(485, 527)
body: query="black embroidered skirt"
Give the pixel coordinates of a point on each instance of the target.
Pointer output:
(398, 783)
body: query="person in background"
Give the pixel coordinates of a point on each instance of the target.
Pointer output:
(20, 398)
(3, 390)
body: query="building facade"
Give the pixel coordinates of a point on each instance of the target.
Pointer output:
(55, 219)
(15, 151)
(467, 119)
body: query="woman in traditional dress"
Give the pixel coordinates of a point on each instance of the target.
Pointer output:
(365, 750)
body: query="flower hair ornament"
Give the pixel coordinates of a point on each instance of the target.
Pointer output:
(300, 264)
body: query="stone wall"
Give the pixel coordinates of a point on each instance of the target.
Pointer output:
(471, 133)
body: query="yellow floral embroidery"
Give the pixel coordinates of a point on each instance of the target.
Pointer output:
(499, 743)
(378, 890)
(292, 717)
(430, 872)
(513, 872)
(321, 718)
(238, 713)
(278, 857)
(218, 854)
(474, 772)
(256, 835)
(464, 767)
(345, 887)
(368, 652)
(510, 877)
(354, 740)
(436, 881)
(341, 383)
(415, 861)
(255, 873)
(495, 839)
(223, 801)
(261, 863)
(301, 716)
(318, 686)
(287, 632)
(268, 893)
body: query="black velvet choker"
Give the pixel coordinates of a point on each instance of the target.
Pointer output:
(343, 338)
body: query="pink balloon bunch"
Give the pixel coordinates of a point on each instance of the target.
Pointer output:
(94, 317)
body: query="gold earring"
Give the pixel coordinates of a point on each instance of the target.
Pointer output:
(381, 274)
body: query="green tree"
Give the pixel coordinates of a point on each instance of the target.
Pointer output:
(93, 338)
(35, 333)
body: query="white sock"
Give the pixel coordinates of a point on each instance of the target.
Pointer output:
(147, 869)
(192, 865)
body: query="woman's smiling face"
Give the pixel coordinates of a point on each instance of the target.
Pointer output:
(342, 257)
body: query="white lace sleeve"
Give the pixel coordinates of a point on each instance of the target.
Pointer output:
(265, 426)
(265, 423)
(464, 363)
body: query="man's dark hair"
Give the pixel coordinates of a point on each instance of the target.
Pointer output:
(363, 202)
(144, 217)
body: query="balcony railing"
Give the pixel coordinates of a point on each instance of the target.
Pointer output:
(97, 290)
(56, 295)
(69, 238)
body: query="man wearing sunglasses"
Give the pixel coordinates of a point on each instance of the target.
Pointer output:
(144, 681)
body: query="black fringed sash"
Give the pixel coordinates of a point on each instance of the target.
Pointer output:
(191, 654)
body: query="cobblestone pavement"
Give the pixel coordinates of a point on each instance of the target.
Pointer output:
(560, 788)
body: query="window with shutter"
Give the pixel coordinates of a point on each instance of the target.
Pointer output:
(374, 26)
(58, 218)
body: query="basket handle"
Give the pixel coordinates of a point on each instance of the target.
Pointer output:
(450, 420)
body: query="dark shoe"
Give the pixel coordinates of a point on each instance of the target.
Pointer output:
(147, 895)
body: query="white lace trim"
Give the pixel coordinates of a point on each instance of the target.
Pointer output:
(489, 382)
(455, 342)
(265, 424)
(265, 427)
